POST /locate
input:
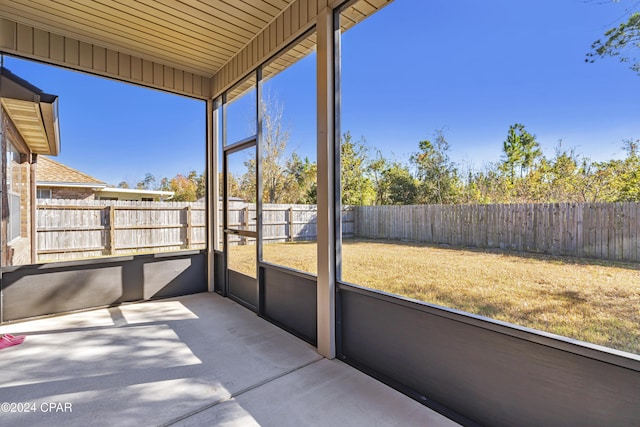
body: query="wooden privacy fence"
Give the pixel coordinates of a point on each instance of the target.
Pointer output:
(282, 222)
(75, 229)
(599, 230)
(72, 229)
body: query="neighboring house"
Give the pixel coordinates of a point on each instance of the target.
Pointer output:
(29, 126)
(57, 181)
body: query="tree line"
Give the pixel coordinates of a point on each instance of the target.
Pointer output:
(524, 174)
(186, 188)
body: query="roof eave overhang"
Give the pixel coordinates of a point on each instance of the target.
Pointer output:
(92, 185)
(136, 191)
(49, 112)
(33, 112)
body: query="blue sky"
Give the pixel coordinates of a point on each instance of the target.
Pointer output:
(474, 68)
(119, 132)
(471, 68)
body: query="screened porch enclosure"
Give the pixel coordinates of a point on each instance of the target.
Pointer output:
(245, 322)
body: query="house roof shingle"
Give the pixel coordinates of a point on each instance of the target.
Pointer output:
(50, 171)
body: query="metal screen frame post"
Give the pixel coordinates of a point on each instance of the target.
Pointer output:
(259, 278)
(337, 179)
(225, 195)
(211, 190)
(326, 287)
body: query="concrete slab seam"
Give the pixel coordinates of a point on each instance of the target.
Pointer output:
(239, 393)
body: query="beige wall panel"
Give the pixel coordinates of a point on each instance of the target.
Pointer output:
(273, 38)
(188, 82)
(40, 43)
(86, 55)
(112, 61)
(242, 60)
(198, 85)
(206, 86)
(215, 81)
(168, 77)
(255, 49)
(304, 17)
(158, 74)
(25, 39)
(236, 66)
(124, 65)
(147, 72)
(259, 47)
(51, 48)
(136, 68)
(7, 34)
(71, 51)
(248, 58)
(56, 48)
(287, 21)
(264, 46)
(178, 80)
(253, 56)
(312, 9)
(295, 16)
(279, 30)
(100, 58)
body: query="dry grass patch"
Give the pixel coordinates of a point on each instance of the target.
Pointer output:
(590, 300)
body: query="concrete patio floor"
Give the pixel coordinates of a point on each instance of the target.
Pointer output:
(189, 361)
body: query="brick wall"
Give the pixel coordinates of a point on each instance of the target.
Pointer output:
(73, 193)
(18, 251)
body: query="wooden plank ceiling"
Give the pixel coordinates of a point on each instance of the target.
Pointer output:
(197, 36)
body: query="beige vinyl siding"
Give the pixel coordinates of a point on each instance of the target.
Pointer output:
(169, 45)
(299, 17)
(41, 45)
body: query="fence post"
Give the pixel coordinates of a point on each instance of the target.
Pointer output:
(188, 239)
(291, 223)
(245, 222)
(112, 229)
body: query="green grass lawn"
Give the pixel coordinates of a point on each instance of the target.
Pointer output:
(590, 300)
